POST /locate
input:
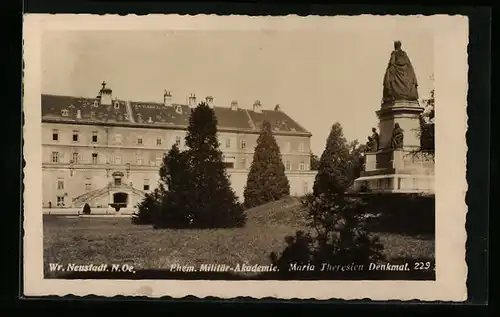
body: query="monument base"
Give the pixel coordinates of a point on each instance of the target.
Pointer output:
(395, 183)
(396, 171)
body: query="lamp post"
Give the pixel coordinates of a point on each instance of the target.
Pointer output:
(128, 170)
(71, 167)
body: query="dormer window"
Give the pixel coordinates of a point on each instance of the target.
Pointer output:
(178, 109)
(65, 112)
(96, 104)
(117, 105)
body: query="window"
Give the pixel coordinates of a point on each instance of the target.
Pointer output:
(60, 183)
(55, 135)
(286, 147)
(118, 160)
(65, 112)
(139, 140)
(158, 160)
(243, 163)
(178, 140)
(117, 105)
(301, 147)
(75, 157)
(75, 136)
(94, 158)
(60, 201)
(228, 143)
(118, 181)
(94, 137)
(118, 138)
(55, 157)
(88, 184)
(229, 161)
(288, 165)
(158, 141)
(146, 184)
(305, 188)
(243, 144)
(302, 166)
(139, 160)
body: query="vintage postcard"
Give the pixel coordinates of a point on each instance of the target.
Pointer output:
(227, 156)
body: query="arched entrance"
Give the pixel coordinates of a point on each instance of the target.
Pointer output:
(120, 200)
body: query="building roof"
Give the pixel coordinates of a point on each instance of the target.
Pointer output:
(80, 110)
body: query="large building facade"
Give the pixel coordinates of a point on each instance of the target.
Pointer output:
(107, 152)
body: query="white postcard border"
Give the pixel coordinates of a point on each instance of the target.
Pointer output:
(451, 66)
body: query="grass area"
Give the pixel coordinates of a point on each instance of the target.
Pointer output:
(117, 240)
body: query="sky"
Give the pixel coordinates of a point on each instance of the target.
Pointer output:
(318, 77)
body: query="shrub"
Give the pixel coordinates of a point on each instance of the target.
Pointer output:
(86, 209)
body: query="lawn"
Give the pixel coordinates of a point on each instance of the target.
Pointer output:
(117, 240)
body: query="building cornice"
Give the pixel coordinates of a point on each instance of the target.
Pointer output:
(166, 127)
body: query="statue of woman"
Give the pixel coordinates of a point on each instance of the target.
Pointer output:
(400, 81)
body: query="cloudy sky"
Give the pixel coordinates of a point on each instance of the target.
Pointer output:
(318, 77)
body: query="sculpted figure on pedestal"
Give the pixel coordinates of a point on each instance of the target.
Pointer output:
(400, 81)
(376, 140)
(397, 137)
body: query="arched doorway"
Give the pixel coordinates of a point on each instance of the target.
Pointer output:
(120, 200)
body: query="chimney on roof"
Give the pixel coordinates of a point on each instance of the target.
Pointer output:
(234, 105)
(277, 108)
(105, 95)
(257, 107)
(167, 99)
(210, 101)
(192, 101)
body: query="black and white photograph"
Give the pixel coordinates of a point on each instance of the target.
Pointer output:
(262, 151)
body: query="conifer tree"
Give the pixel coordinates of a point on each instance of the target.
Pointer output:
(175, 188)
(212, 202)
(148, 208)
(266, 180)
(338, 227)
(332, 174)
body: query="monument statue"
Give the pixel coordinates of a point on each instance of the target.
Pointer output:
(369, 144)
(397, 137)
(376, 140)
(400, 81)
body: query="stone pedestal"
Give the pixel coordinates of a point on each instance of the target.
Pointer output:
(397, 171)
(407, 115)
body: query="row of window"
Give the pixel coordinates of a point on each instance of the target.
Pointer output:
(286, 146)
(302, 166)
(88, 187)
(158, 161)
(88, 184)
(159, 141)
(288, 165)
(117, 159)
(118, 138)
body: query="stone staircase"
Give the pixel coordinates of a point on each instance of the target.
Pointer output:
(88, 196)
